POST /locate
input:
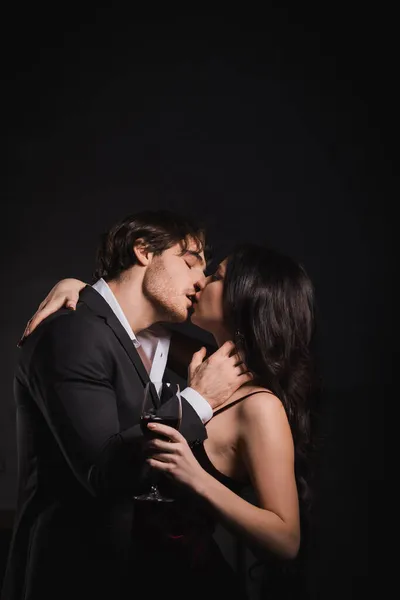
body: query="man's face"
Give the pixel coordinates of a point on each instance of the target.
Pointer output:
(172, 279)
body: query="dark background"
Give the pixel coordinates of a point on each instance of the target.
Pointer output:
(279, 128)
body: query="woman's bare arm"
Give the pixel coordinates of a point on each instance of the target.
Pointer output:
(64, 293)
(266, 447)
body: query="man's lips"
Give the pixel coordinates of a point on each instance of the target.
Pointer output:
(193, 299)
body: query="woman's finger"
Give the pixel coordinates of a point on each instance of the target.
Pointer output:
(160, 458)
(161, 444)
(166, 430)
(48, 308)
(38, 317)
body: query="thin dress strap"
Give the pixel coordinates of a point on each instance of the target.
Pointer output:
(220, 410)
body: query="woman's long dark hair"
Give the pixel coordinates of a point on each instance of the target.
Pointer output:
(269, 303)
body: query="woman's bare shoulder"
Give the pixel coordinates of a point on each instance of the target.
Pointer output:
(260, 401)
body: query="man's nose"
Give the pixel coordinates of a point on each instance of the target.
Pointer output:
(200, 283)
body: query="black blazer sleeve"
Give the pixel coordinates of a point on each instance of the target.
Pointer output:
(70, 374)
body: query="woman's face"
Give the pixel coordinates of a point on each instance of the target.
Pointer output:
(208, 311)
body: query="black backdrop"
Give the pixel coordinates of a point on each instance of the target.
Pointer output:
(278, 128)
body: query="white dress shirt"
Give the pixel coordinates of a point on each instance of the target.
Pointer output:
(152, 345)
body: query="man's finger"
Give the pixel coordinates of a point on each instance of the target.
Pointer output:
(197, 358)
(241, 367)
(227, 348)
(245, 377)
(237, 359)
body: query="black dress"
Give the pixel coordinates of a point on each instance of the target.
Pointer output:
(175, 550)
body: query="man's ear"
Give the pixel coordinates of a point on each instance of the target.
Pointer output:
(143, 256)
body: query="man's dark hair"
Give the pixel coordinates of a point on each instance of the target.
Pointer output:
(159, 230)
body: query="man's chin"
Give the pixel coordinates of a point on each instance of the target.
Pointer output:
(181, 317)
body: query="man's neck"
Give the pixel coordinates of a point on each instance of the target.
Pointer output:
(137, 309)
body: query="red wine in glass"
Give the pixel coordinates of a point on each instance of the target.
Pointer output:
(147, 418)
(161, 404)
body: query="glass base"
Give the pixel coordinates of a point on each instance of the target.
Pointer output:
(153, 496)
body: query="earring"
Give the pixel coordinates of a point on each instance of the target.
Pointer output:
(239, 338)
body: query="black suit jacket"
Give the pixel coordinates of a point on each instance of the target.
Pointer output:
(78, 390)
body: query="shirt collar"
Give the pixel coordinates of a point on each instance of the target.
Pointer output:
(102, 287)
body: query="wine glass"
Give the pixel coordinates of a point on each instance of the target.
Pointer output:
(161, 404)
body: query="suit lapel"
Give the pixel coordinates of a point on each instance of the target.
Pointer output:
(98, 305)
(127, 343)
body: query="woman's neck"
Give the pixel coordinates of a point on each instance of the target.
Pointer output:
(221, 337)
